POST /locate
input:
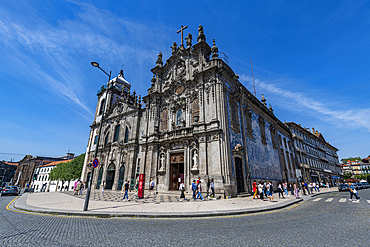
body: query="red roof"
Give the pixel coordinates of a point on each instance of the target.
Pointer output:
(54, 163)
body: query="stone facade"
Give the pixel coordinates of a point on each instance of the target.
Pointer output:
(317, 159)
(198, 121)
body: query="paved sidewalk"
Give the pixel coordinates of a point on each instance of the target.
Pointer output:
(157, 205)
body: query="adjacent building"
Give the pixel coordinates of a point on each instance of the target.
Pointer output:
(25, 170)
(197, 120)
(356, 167)
(317, 159)
(42, 182)
(7, 171)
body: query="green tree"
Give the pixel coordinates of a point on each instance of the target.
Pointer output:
(344, 160)
(347, 175)
(69, 170)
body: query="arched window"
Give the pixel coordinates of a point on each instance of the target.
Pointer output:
(179, 117)
(126, 135)
(106, 139)
(101, 106)
(116, 133)
(164, 120)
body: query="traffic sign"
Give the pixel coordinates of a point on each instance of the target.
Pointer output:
(95, 163)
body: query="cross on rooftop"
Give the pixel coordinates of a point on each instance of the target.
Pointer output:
(182, 35)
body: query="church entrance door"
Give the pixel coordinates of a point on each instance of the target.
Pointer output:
(239, 175)
(177, 170)
(110, 176)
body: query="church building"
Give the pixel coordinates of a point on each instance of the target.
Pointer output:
(197, 120)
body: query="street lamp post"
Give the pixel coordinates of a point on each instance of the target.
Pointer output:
(95, 64)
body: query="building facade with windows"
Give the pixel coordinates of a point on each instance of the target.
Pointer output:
(317, 159)
(198, 121)
(41, 179)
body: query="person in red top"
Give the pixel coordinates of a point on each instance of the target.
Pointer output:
(255, 193)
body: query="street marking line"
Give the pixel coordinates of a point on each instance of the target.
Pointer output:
(317, 199)
(368, 201)
(329, 200)
(357, 201)
(342, 200)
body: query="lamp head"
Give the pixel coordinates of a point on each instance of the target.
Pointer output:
(95, 64)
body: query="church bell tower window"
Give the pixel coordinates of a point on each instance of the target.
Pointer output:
(126, 135)
(116, 133)
(179, 117)
(101, 106)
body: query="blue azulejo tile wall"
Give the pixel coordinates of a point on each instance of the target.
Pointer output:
(263, 159)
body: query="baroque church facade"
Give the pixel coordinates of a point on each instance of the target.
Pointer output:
(198, 121)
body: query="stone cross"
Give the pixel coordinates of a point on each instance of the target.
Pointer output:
(182, 35)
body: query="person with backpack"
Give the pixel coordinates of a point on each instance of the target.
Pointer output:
(270, 189)
(353, 192)
(200, 191)
(126, 187)
(182, 191)
(194, 189)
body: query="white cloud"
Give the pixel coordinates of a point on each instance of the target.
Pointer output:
(357, 118)
(94, 33)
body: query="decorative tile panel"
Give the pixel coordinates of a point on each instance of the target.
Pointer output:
(263, 159)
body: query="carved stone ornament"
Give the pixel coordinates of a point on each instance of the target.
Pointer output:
(194, 158)
(239, 150)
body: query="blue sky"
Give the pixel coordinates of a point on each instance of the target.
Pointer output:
(310, 60)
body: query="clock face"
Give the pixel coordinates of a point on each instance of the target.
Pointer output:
(179, 90)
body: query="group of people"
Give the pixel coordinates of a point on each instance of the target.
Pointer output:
(265, 189)
(197, 189)
(78, 188)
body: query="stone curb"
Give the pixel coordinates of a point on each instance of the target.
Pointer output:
(21, 204)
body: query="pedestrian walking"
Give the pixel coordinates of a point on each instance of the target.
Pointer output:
(280, 190)
(269, 191)
(291, 189)
(285, 187)
(260, 189)
(314, 186)
(102, 188)
(194, 189)
(296, 193)
(182, 191)
(78, 188)
(212, 195)
(82, 187)
(200, 190)
(318, 187)
(265, 189)
(353, 192)
(126, 187)
(151, 186)
(255, 190)
(75, 188)
(303, 189)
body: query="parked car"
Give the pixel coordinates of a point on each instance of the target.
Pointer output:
(343, 187)
(365, 184)
(10, 190)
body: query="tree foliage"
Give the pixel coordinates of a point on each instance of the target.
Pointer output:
(344, 160)
(347, 175)
(69, 170)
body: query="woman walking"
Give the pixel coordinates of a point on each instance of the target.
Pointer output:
(254, 185)
(260, 190)
(296, 192)
(212, 189)
(182, 190)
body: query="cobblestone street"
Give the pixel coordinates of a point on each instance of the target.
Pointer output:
(330, 221)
